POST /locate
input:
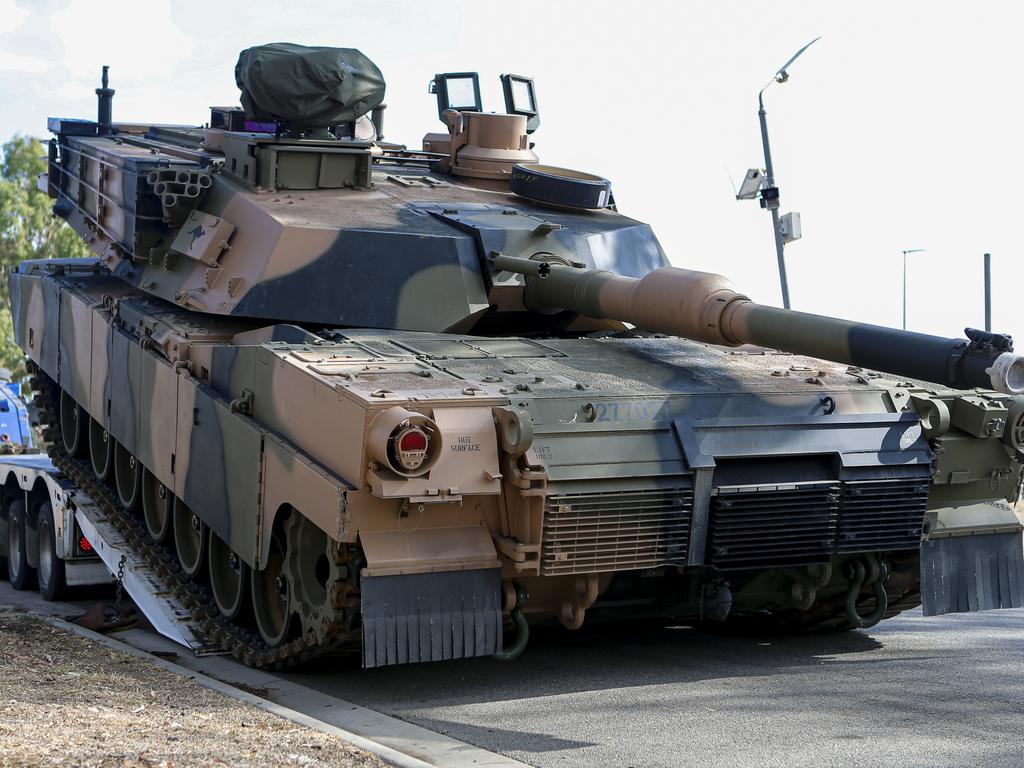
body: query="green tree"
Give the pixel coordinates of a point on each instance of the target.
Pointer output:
(28, 230)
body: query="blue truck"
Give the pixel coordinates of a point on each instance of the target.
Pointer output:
(15, 431)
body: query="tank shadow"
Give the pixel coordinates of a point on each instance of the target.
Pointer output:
(598, 657)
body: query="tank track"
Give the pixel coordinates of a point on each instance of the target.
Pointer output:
(243, 643)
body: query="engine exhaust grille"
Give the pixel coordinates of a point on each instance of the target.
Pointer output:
(763, 526)
(615, 530)
(882, 515)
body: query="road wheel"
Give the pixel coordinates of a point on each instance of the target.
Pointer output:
(101, 450)
(73, 423)
(52, 581)
(127, 477)
(157, 507)
(229, 579)
(21, 573)
(190, 539)
(271, 595)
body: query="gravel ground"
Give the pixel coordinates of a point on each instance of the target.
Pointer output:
(66, 700)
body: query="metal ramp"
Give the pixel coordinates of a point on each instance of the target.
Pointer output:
(160, 607)
(163, 610)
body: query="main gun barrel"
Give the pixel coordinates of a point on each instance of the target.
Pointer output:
(706, 307)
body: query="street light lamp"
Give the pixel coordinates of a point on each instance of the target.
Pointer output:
(769, 192)
(905, 252)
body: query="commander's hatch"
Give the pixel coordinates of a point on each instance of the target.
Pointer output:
(478, 144)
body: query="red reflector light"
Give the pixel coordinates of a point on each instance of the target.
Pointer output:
(413, 440)
(5, 437)
(84, 544)
(410, 449)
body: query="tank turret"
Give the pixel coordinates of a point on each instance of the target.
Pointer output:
(706, 307)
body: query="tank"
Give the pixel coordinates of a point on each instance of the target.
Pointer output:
(360, 397)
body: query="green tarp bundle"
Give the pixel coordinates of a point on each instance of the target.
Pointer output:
(305, 86)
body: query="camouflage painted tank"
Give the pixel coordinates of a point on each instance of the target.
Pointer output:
(406, 400)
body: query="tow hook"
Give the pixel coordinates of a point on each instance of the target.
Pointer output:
(856, 573)
(522, 629)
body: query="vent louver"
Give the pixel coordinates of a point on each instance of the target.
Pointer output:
(805, 523)
(882, 515)
(615, 530)
(758, 526)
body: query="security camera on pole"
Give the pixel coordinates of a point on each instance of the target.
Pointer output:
(760, 184)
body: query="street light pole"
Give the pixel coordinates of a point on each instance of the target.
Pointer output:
(988, 292)
(770, 193)
(905, 252)
(773, 202)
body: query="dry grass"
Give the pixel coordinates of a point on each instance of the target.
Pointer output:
(66, 700)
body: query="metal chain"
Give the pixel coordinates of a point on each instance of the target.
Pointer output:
(119, 595)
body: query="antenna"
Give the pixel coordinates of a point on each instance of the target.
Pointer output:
(105, 98)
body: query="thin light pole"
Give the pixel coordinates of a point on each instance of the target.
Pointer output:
(905, 252)
(771, 199)
(988, 292)
(773, 202)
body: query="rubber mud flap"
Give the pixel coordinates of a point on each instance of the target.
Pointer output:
(430, 616)
(972, 573)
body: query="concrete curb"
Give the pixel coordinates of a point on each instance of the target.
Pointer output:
(403, 736)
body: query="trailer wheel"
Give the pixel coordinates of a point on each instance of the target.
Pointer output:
(51, 574)
(21, 573)
(4, 528)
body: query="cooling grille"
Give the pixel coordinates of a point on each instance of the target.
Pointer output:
(803, 523)
(616, 530)
(882, 515)
(760, 526)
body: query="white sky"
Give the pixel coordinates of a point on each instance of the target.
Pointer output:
(899, 129)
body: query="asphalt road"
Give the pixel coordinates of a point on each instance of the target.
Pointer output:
(946, 691)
